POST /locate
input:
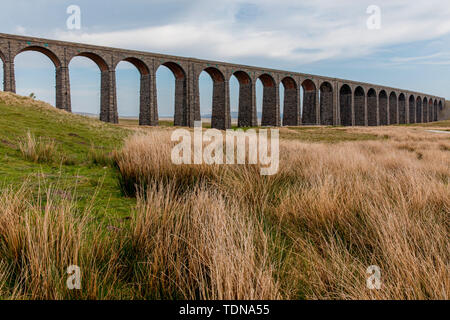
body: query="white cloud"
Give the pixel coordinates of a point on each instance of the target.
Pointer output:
(21, 30)
(284, 30)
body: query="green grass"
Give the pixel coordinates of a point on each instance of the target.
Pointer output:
(325, 134)
(74, 136)
(438, 124)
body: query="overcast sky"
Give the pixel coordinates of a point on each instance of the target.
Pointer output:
(411, 50)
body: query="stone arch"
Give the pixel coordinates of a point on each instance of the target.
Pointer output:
(270, 107)
(430, 110)
(291, 112)
(412, 109)
(435, 110)
(247, 108)
(372, 102)
(360, 110)
(145, 113)
(99, 61)
(309, 102)
(180, 100)
(47, 52)
(425, 110)
(419, 111)
(140, 65)
(345, 105)
(221, 118)
(393, 108)
(326, 103)
(108, 98)
(402, 108)
(383, 108)
(53, 57)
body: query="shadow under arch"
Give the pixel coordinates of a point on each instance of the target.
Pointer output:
(309, 113)
(425, 110)
(345, 105)
(419, 111)
(270, 103)
(412, 109)
(291, 105)
(393, 108)
(383, 108)
(402, 108)
(247, 116)
(326, 104)
(372, 103)
(360, 110)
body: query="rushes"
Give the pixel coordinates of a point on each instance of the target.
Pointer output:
(200, 246)
(205, 232)
(145, 160)
(37, 149)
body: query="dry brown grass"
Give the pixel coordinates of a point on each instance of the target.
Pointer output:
(38, 149)
(226, 232)
(41, 237)
(342, 208)
(200, 246)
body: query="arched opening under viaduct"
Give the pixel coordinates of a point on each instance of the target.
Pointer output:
(326, 104)
(291, 102)
(33, 65)
(345, 105)
(402, 108)
(412, 109)
(419, 111)
(383, 107)
(372, 107)
(218, 104)
(309, 115)
(247, 116)
(393, 108)
(270, 106)
(133, 90)
(171, 93)
(425, 110)
(435, 112)
(430, 111)
(88, 73)
(359, 103)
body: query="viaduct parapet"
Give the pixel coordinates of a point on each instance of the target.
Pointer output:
(326, 101)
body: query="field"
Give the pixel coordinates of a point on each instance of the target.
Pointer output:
(107, 198)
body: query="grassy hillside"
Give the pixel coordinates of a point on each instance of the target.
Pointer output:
(342, 200)
(80, 143)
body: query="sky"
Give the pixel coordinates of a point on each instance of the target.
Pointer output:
(409, 50)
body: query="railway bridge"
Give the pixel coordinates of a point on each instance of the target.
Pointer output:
(325, 100)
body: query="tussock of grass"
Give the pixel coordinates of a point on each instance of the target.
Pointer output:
(98, 156)
(145, 160)
(41, 237)
(200, 246)
(38, 149)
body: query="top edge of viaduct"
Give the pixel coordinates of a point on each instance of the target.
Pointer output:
(282, 73)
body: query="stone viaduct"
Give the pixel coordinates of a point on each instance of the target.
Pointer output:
(326, 101)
